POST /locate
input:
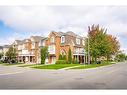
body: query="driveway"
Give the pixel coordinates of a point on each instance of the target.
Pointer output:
(107, 77)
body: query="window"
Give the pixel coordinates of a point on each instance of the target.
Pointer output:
(42, 43)
(52, 39)
(33, 45)
(78, 41)
(83, 42)
(51, 49)
(62, 39)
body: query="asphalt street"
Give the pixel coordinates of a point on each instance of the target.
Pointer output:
(107, 77)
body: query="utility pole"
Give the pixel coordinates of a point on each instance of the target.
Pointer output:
(88, 47)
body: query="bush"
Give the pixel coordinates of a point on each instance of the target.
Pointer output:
(62, 57)
(61, 62)
(69, 56)
(75, 61)
(1, 62)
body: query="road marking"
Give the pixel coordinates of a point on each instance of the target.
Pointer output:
(11, 73)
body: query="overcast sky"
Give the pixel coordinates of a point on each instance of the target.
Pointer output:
(19, 22)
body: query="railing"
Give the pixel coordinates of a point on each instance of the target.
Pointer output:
(78, 52)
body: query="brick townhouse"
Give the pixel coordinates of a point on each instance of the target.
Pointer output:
(29, 50)
(60, 42)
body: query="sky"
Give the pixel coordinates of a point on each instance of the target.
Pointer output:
(20, 22)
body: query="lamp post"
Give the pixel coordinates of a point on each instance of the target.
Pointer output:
(88, 48)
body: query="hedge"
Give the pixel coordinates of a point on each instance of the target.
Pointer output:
(61, 62)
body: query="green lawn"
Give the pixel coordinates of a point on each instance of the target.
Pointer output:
(55, 66)
(93, 65)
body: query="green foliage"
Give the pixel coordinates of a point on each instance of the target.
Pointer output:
(69, 56)
(62, 57)
(100, 43)
(11, 54)
(61, 62)
(1, 62)
(1, 55)
(75, 61)
(126, 57)
(121, 57)
(44, 54)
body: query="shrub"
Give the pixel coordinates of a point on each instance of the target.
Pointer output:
(61, 62)
(69, 56)
(62, 57)
(1, 62)
(44, 54)
(75, 61)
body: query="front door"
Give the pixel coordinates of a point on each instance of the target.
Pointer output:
(53, 60)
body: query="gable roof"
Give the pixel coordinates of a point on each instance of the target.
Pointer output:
(37, 38)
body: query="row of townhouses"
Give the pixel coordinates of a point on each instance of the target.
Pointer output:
(28, 50)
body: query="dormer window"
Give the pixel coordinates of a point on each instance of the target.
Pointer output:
(52, 39)
(63, 39)
(77, 40)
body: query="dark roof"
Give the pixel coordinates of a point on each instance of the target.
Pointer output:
(70, 38)
(37, 38)
(1, 47)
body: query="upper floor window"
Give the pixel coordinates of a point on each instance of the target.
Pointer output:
(33, 45)
(77, 40)
(51, 49)
(83, 42)
(63, 39)
(52, 39)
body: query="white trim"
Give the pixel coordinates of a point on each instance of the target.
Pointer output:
(62, 39)
(26, 55)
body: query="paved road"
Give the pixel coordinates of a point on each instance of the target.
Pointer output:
(109, 77)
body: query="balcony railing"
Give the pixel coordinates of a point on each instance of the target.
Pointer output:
(79, 52)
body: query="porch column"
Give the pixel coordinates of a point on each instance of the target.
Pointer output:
(22, 58)
(80, 59)
(86, 58)
(77, 57)
(29, 59)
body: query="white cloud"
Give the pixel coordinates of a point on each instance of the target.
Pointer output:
(42, 19)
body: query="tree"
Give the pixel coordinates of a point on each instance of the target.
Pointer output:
(126, 57)
(62, 57)
(1, 55)
(11, 54)
(114, 46)
(69, 56)
(100, 43)
(121, 57)
(44, 54)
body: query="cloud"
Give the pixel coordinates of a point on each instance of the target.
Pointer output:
(40, 20)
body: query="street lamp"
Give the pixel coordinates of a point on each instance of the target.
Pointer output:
(88, 47)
